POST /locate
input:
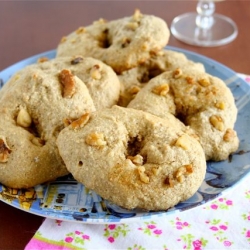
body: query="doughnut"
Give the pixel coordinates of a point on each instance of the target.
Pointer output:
(134, 79)
(133, 158)
(122, 44)
(35, 104)
(200, 101)
(100, 79)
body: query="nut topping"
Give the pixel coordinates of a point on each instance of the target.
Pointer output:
(4, 150)
(177, 73)
(183, 142)
(96, 139)
(67, 80)
(229, 135)
(23, 118)
(80, 122)
(161, 90)
(137, 160)
(95, 72)
(143, 177)
(217, 122)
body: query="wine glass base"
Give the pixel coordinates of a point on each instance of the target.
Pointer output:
(223, 30)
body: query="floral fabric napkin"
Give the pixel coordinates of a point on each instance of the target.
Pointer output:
(224, 223)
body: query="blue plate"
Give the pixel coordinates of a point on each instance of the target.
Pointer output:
(66, 199)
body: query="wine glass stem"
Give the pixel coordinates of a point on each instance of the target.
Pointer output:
(205, 10)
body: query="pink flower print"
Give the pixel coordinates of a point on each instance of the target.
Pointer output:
(111, 239)
(227, 243)
(214, 206)
(85, 237)
(248, 217)
(112, 226)
(77, 232)
(223, 227)
(68, 239)
(221, 199)
(229, 202)
(150, 226)
(248, 234)
(157, 231)
(197, 244)
(214, 228)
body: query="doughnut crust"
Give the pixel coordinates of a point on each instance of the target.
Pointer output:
(122, 44)
(33, 107)
(201, 101)
(134, 159)
(136, 78)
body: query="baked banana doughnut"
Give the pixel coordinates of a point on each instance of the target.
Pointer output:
(134, 79)
(201, 101)
(134, 159)
(123, 43)
(34, 105)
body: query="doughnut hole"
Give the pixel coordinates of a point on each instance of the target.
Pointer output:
(134, 147)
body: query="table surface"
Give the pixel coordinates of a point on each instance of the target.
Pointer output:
(31, 27)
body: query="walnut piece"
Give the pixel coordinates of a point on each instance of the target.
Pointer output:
(137, 15)
(23, 118)
(95, 72)
(134, 90)
(96, 139)
(220, 105)
(80, 122)
(204, 82)
(38, 141)
(4, 150)
(229, 135)
(137, 159)
(132, 25)
(67, 80)
(217, 122)
(80, 30)
(177, 73)
(143, 177)
(161, 90)
(183, 142)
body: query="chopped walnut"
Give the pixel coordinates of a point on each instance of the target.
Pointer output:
(217, 122)
(161, 90)
(95, 72)
(38, 141)
(204, 82)
(125, 42)
(76, 60)
(132, 25)
(137, 160)
(169, 180)
(43, 59)
(229, 135)
(220, 105)
(4, 150)
(137, 15)
(80, 122)
(189, 80)
(155, 171)
(67, 80)
(96, 139)
(23, 118)
(183, 142)
(134, 90)
(80, 30)
(64, 38)
(143, 177)
(177, 73)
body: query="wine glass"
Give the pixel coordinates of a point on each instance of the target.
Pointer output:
(204, 28)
